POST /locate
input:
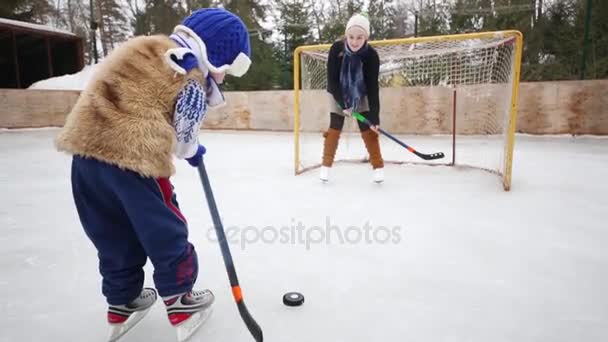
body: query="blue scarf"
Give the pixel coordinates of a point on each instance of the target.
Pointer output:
(351, 77)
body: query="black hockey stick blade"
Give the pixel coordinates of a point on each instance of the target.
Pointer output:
(431, 156)
(251, 324)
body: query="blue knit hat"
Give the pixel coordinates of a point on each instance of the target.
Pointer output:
(224, 35)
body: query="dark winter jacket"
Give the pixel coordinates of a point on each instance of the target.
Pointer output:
(371, 69)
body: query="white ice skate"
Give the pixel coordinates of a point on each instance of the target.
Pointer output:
(378, 175)
(324, 174)
(124, 317)
(189, 311)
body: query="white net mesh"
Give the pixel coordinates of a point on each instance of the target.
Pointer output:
(432, 93)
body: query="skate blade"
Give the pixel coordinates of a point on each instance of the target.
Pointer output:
(118, 330)
(189, 327)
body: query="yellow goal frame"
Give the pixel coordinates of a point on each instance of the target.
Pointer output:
(480, 35)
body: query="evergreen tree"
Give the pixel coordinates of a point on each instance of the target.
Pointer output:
(34, 11)
(264, 70)
(163, 15)
(434, 18)
(383, 19)
(463, 17)
(113, 25)
(597, 50)
(294, 26)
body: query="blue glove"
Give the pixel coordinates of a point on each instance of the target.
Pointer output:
(195, 160)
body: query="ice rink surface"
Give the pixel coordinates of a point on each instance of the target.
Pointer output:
(434, 254)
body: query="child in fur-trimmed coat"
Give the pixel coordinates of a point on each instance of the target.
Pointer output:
(144, 105)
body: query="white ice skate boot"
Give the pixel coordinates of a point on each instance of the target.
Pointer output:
(188, 311)
(123, 317)
(378, 175)
(324, 174)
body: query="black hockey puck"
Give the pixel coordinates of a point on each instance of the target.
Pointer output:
(293, 299)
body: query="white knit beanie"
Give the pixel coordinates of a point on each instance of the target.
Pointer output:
(359, 21)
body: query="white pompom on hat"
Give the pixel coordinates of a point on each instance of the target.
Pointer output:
(359, 21)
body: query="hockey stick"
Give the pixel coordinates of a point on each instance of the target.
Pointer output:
(432, 156)
(251, 324)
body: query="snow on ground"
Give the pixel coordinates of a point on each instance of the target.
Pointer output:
(449, 256)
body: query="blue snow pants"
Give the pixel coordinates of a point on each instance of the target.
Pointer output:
(130, 218)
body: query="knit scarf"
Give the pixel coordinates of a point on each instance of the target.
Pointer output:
(351, 77)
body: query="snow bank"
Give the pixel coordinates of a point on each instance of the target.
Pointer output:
(77, 81)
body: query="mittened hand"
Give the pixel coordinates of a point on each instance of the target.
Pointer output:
(188, 62)
(182, 60)
(195, 160)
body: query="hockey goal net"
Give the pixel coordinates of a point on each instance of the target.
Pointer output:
(456, 94)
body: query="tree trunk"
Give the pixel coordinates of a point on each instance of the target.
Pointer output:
(71, 21)
(102, 27)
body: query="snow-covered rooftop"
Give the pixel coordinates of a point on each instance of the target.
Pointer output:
(36, 27)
